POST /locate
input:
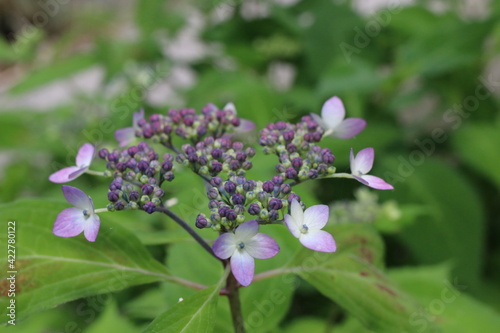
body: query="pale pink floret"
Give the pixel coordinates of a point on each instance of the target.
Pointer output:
(306, 226)
(362, 164)
(242, 246)
(83, 161)
(332, 120)
(126, 136)
(72, 221)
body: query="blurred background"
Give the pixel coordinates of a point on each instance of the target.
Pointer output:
(424, 74)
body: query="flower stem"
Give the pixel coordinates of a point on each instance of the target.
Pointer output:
(186, 227)
(233, 296)
(95, 173)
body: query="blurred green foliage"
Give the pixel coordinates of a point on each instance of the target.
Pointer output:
(427, 83)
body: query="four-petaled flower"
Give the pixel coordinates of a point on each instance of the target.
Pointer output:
(83, 160)
(332, 120)
(126, 136)
(72, 221)
(361, 165)
(306, 226)
(242, 246)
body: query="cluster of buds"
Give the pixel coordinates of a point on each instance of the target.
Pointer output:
(137, 177)
(210, 157)
(238, 204)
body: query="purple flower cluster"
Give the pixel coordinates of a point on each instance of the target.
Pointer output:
(238, 204)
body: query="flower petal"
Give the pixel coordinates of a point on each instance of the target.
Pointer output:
(297, 213)
(246, 231)
(224, 246)
(363, 162)
(136, 117)
(377, 183)
(230, 107)
(245, 126)
(318, 240)
(292, 225)
(333, 112)
(85, 155)
(243, 266)
(69, 222)
(77, 173)
(125, 136)
(91, 227)
(361, 180)
(316, 217)
(77, 198)
(63, 175)
(262, 246)
(318, 119)
(349, 128)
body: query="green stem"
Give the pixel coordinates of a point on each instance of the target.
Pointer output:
(233, 296)
(186, 227)
(95, 173)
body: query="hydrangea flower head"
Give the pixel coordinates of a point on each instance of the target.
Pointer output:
(332, 120)
(72, 221)
(83, 160)
(126, 136)
(242, 246)
(361, 164)
(306, 226)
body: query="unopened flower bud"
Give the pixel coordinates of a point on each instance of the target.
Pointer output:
(254, 209)
(230, 187)
(149, 207)
(201, 221)
(275, 204)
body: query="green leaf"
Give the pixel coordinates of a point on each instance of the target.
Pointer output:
(453, 227)
(350, 278)
(111, 321)
(58, 70)
(53, 270)
(478, 146)
(444, 300)
(194, 314)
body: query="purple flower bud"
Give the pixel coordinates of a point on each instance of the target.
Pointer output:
(147, 132)
(280, 168)
(317, 136)
(192, 158)
(237, 145)
(273, 215)
(288, 135)
(213, 193)
(235, 122)
(231, 215)
(113, 157)
(121, 166)
(322, 168)
(187, 112)
(142, 165)
(234, 165)
(150, 172)
(147, 189)
(119, 205)
(213, 204)
(188, 121)
(291, 148)
(130, 175)
(275, 204)
(249, 185)
(308, 137)
(278, 179)
(247, 165)
(131, 163)
(291, 173)
(313, 174)
(132, 151)
(169, 176)
(134, 196)
(215, 217)
(201, 130)
(292, 197)
(113, 196)
(209, 140)
(254, 209)
(158, 193)
(285, 188)
(316, 149)
(167, 165)
(280, 125)
(262, 196)
(328, 158)
(216, 166)
(167, 129)
(238, 199)
(216, 181)
(250, 152)
(268, 186)
(241, 156)
(223, 211)
(149, 207)
(115, 185)
(297, 163)
(201, 221)
(230, 187)
(216, 153)
(203, 160)
(103, 153)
